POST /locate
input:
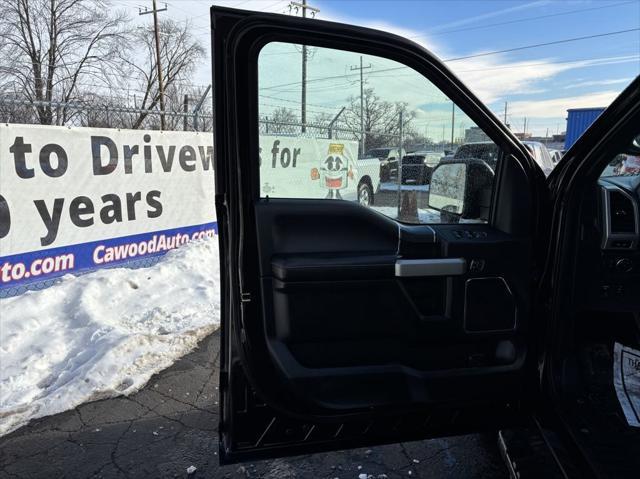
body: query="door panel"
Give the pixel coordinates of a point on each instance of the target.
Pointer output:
(341, 325)
(351, 298)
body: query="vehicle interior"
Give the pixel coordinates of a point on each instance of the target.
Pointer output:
(602, 308)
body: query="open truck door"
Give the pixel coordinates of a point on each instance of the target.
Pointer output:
(345, 326)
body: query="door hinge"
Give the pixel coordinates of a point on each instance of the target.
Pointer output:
(245, 297)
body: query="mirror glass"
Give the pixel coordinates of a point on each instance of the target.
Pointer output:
(448, 185)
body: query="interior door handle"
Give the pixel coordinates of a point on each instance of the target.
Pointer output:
(431, 267)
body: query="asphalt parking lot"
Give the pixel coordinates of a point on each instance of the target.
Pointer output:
(170, 425)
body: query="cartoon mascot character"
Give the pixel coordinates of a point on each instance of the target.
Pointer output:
(335, 171)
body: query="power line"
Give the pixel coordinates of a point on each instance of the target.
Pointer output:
(537, 45)
(520, 20)
(629, 57)
(277, 106)
(348, 83)
(525, 47)
(525, 65)
(296, 102)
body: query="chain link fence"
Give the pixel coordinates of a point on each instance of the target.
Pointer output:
(366, 140)
(103, 114)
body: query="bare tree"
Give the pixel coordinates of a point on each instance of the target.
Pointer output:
(179, 54)
(322, 118)
(381, 119)
(281, 120)
(54, 50)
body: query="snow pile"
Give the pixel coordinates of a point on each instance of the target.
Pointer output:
(105, 333)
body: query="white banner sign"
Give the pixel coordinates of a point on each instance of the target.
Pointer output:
(64, 186)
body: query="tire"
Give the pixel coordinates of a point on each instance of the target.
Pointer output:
(365, 194)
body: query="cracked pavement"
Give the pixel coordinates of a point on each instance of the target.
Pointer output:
(171, 425)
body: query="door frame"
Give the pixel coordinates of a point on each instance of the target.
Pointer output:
(577, 171)
(242, 35)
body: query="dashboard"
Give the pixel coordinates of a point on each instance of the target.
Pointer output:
(616, 241)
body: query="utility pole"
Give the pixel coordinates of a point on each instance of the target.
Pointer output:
(524, 133)
(303, 100)
(157, 35)
(362, 69)
(185, 110)
(505, 112)
(453, 119)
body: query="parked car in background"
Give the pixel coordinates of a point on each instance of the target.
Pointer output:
(488, 152)
(448, 154)
(388, 157)
(556, 155)
(541, 155)
(417, 167)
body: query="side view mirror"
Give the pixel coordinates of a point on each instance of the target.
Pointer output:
(461, 190)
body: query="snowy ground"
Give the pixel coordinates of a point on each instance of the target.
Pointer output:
(103, 334)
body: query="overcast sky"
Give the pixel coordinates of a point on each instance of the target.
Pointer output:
(539, 83)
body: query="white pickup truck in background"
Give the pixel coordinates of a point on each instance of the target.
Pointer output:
(368, 171)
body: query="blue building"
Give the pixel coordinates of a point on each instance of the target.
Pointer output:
(578, 120)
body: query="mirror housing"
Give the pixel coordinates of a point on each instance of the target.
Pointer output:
(461, 189)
